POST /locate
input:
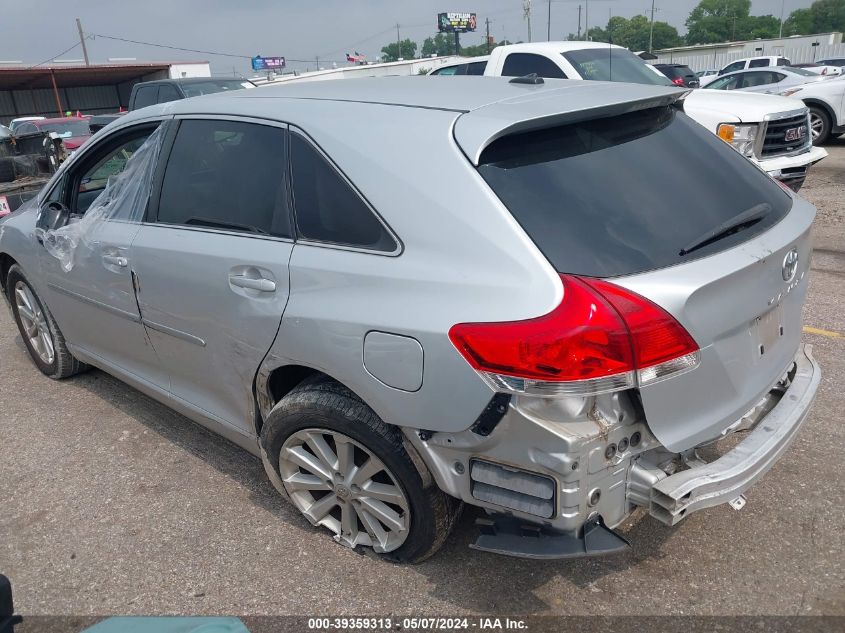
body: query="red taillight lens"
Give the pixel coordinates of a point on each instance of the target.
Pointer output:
(678, 81)
(600, 338)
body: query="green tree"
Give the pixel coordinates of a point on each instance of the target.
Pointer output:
(799, 22)
(717, 21)
(405, 49)
(823, 16)
(634, 33)
(440, 44)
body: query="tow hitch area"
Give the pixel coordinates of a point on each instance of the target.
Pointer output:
(512, 537)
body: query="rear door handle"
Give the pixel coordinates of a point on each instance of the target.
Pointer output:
(260, 284)
(114, 260)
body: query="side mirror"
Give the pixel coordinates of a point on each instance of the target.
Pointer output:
(54, 215)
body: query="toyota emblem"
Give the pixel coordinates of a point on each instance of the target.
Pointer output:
(790, 265)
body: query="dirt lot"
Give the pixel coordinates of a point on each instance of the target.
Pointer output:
(110, 503)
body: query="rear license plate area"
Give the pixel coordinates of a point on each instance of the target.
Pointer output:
(767, 329)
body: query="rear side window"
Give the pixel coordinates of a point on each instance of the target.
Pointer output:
(146, 96)
(521, 64)
(783, 61)
(732, 67)
(624, 195)
(476, 68)
(327, 208)
(448, 71)
(166, 93)
(758, 63)
(227, 175)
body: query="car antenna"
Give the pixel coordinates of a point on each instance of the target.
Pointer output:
(531, 79)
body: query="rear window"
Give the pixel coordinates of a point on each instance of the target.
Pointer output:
(199, 88)
(623, 195)
(614, 64)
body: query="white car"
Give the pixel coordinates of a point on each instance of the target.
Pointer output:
(768, 130)
(706, 76)
(766, 80)
(763, 61)
(826, 100)
(821, 69)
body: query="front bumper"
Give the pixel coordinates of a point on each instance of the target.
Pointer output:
(704, 485)
(792, 170)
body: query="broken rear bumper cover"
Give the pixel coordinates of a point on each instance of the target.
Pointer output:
(704, 485)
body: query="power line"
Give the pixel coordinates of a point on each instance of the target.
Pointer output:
(175, 48)
(49, 59)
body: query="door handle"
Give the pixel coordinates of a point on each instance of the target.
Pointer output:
(114, 260)
(260, 284)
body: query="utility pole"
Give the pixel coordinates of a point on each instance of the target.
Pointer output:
(782, 7)
(487, 22)
(526, 6)
(579, 21)
(651, 29)
(587, 20)
(549, 29)
(82, 41)
(457, 43)
(398, 43)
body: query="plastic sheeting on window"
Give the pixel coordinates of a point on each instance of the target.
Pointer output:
(124, 198)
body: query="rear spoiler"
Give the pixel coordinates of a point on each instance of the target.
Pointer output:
(545, 105)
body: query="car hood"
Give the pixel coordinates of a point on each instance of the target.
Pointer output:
(746, 107)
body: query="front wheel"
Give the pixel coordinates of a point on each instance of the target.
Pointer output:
(820, 125)
(40, 332)
(347, 471)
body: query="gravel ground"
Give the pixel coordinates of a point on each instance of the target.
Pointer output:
(112, 504)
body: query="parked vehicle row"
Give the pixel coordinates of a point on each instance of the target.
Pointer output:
(771, 131)
(288, 280)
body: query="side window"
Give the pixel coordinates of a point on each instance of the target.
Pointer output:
(776, 78)
(146, 96)
(521, 64)
(449, 70)
(752, 80)
(25, 128)
(105, 164)
(732, 67)
(166, 93)
(783, 61)
(476, 68)
(227, 175)
(725, 83)
(758, 63)
(327, 208)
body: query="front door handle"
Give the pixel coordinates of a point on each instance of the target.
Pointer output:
(114, 260)
(260, 284)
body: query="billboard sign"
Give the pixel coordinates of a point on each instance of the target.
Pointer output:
(267, 63)
(456, 22)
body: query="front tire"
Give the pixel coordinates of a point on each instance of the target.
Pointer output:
(346, 470)
(40, 332)
(820, 125)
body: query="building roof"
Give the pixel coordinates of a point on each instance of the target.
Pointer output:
(694, 47)
(69, 76)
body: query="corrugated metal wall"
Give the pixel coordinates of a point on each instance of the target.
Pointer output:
(797, 55)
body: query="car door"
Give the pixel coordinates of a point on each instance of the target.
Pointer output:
(91, 293)
(212, 262)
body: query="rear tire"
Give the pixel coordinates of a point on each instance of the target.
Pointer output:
(320, 414)
(820, 125)
(40, 332)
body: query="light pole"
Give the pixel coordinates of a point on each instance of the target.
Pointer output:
(782, 5)
(651, 29)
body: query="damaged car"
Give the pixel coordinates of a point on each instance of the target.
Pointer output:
(546, 327)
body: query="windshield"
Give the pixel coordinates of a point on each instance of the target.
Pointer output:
(66, 129)
(214, 85)
(625, 194)
(614, 64)
(802, 71)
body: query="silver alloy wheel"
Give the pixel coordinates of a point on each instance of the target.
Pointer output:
(339, 484)
(34, 323)
(816, 125)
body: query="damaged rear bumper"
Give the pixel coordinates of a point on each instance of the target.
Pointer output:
(705, 485)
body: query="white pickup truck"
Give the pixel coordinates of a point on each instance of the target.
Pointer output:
(771, 131)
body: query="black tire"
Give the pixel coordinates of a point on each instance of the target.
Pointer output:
(323, 403)
(824, 131)
(64, 364)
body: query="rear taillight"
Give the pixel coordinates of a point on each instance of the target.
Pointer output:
(678, 81)
(601, 338)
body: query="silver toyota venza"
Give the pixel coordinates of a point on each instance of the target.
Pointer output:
(405, 294)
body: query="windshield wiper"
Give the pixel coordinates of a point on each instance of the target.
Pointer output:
(736, 224)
